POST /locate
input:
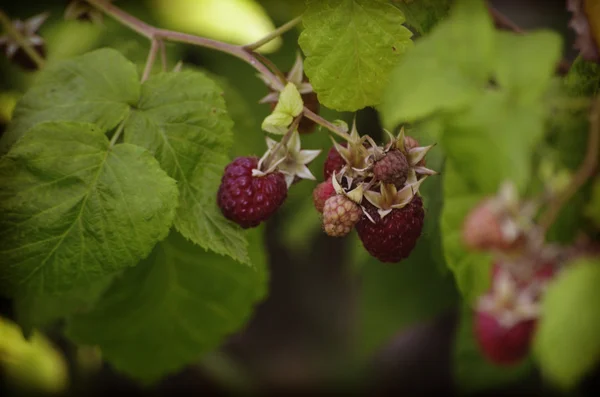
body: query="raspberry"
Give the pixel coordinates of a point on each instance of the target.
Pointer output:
(393, 168)
(340, 214)
(249, 200)
(334, 162)
(321, 193)
(482, 230)
(503, 345)
(392, 238)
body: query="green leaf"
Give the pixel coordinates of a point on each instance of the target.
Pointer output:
(567, 341)
(526, 63)
(471, 270)
(351, 46)
(173, 307)
(181, 118)
(289, 106)
(73, 209)
(494, 140)
(447, 70)
(98, 87)
(423, 15)
(34, 311)
(472, 371)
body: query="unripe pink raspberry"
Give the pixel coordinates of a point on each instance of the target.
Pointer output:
(321, 193)
(340, 214)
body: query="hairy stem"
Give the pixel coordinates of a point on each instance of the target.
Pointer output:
(154, 33)
(21, 41)
(274, 34)
(163, 56)
(584, 172)
(154, 47)
(325, 123)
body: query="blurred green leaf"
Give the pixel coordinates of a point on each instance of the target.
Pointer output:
(471, 269)
(472, 371)
(351, 46)
(233, 21)
(423, 15)
(494, 140)
(178, 304)
(567, 342)
(452, 63)
(525, 64)
(592, 209)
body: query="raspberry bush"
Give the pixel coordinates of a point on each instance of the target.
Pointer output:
(137, 184)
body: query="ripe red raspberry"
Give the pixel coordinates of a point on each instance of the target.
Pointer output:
(249, 200)
(334, 162)
(321, 193)
(392, 238)
(500, 344)
(340, 214)
(393, 168)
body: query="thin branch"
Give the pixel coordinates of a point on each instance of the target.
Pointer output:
(163, 55)
(266, 61)
(124, 18)
(584, 172)
(7, 24)
(154, 47)
(309, 114)
(274, 34)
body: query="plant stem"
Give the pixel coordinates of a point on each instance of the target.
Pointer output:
(330, 126)
(163, 55)
(274, 34)
(583, 173)
(21, 41)
(282, 143)
(157, 34)
(118, 132)
(154, 47)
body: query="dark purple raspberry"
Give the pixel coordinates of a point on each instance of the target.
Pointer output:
(392, 238)
(249, 200)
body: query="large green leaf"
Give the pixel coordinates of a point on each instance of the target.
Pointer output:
(567, 341)
(98, 87)
(447, 70)
(351, 46)
(525, 63)
(473, 372)
(494, 140)
(73, 209)
(173, 307)
(181, 118)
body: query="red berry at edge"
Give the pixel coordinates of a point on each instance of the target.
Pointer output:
(500, 344)
(321, 193)
(249, 200)
(333, 162)
(392, 238)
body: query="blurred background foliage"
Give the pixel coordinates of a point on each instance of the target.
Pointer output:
(334, 318)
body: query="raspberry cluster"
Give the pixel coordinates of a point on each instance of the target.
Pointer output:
(375, 190)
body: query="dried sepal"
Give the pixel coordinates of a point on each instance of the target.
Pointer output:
(290, 159)
(28, 30)
(389, 197)
(83, 11)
